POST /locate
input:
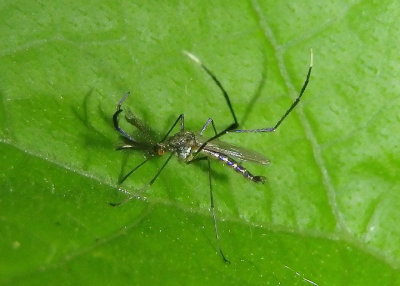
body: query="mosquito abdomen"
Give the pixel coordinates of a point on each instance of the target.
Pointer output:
(235, 166)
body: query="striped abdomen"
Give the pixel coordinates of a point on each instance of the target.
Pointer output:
(234, 165)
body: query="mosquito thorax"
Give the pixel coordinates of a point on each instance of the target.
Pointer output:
(183, 143)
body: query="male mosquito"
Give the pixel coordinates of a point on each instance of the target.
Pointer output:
(192, 146)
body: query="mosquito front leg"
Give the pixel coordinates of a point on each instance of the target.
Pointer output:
(133, 170)
(181, 118)
(115, 119)
(147, 185)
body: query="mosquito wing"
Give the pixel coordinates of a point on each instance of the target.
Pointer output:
(233, 151)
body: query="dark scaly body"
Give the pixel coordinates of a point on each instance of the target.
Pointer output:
(186, 143)
(234, 165)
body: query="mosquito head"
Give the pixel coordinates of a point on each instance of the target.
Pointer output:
(159, 149)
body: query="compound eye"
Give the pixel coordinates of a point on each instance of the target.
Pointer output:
(160, 151)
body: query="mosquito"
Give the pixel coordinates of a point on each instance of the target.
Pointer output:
(192, 146)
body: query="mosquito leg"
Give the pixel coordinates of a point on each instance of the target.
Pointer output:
(147, 185)
(294, 104)
(213, 214)
(233, 127)
(182, 119)
(215, 79)
(115, 119)
(133, 170)
(121, 180)
(212, 208)
(160, 170)
(197, 159)
(136, 123)
(235, 123)
(210, 120)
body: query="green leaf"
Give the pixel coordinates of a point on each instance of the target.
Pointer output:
(328, 213)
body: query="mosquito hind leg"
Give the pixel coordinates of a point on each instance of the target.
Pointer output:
(233, 127)
(235, 123)
(289, 110)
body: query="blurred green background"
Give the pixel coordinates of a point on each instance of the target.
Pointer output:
(328, 213)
